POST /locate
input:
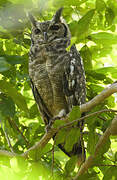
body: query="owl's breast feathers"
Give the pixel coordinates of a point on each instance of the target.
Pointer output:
(57, 79)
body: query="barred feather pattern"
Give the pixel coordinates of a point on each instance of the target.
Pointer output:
(57, 75)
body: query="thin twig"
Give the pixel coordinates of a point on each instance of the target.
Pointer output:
(102, 118)
(7, 153)
(8, 141)
(7, 138)
(14, 125)
(86, 116)
(49, 150)
(111, 160)
(99, 98)
(53, 158)
(83, 148)
(41, 144)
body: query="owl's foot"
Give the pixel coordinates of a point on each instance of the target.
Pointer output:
(61, 115)
(49, 126)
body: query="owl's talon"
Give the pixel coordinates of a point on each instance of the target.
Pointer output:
(48, 127)
(53, 120)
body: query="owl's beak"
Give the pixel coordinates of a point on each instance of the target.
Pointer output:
(45, 36)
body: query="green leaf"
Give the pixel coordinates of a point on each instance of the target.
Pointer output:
(109, 14)
(33, 111)
(46, 149)
(84, 22)
(21, 163)
(17, 97)
(25, 2)
(108, 80)
(89, 176)
(104, 38)
(97, 88)
(13, 59)
(14, 164)
(7, 106)
(61, 135)
(2, 118)
(98, 52)
(92, 140)
(105, 147)
(72, 138)
(87, 57)
(110, 102)
(81, 27)
(97, 75)
(111, 173)
(113, 5)
(4, 65)
(108, 70)
(100, 5)
(1, 46)
(67, 4)
(116, 156)
(58, 123)
(113, 28)
(75, 113)
(70, 165)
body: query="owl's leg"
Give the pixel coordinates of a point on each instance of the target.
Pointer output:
(60, 115)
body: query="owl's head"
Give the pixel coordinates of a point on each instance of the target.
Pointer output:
(50, 31)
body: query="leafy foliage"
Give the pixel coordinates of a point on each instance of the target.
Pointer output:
(93, 26)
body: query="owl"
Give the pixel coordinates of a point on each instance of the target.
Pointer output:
(57, 75)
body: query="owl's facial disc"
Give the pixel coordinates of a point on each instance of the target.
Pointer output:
(50, 31)
(47, 31)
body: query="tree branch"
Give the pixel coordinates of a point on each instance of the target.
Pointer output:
(99, 98)
(14, 126)
(84, 108)
(7, 153)
(87, 116)
(111, 130)
(41, 144)
(7, 138)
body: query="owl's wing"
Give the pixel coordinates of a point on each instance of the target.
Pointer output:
(75, 93)
(74, 79)
(41, 105)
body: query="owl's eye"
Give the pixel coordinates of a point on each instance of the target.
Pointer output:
(37, 31)
(54, 27)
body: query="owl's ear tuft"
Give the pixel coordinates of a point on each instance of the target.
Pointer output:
(56, 17)
(32, 19)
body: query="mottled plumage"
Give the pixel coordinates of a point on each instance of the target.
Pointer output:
(57, 75)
